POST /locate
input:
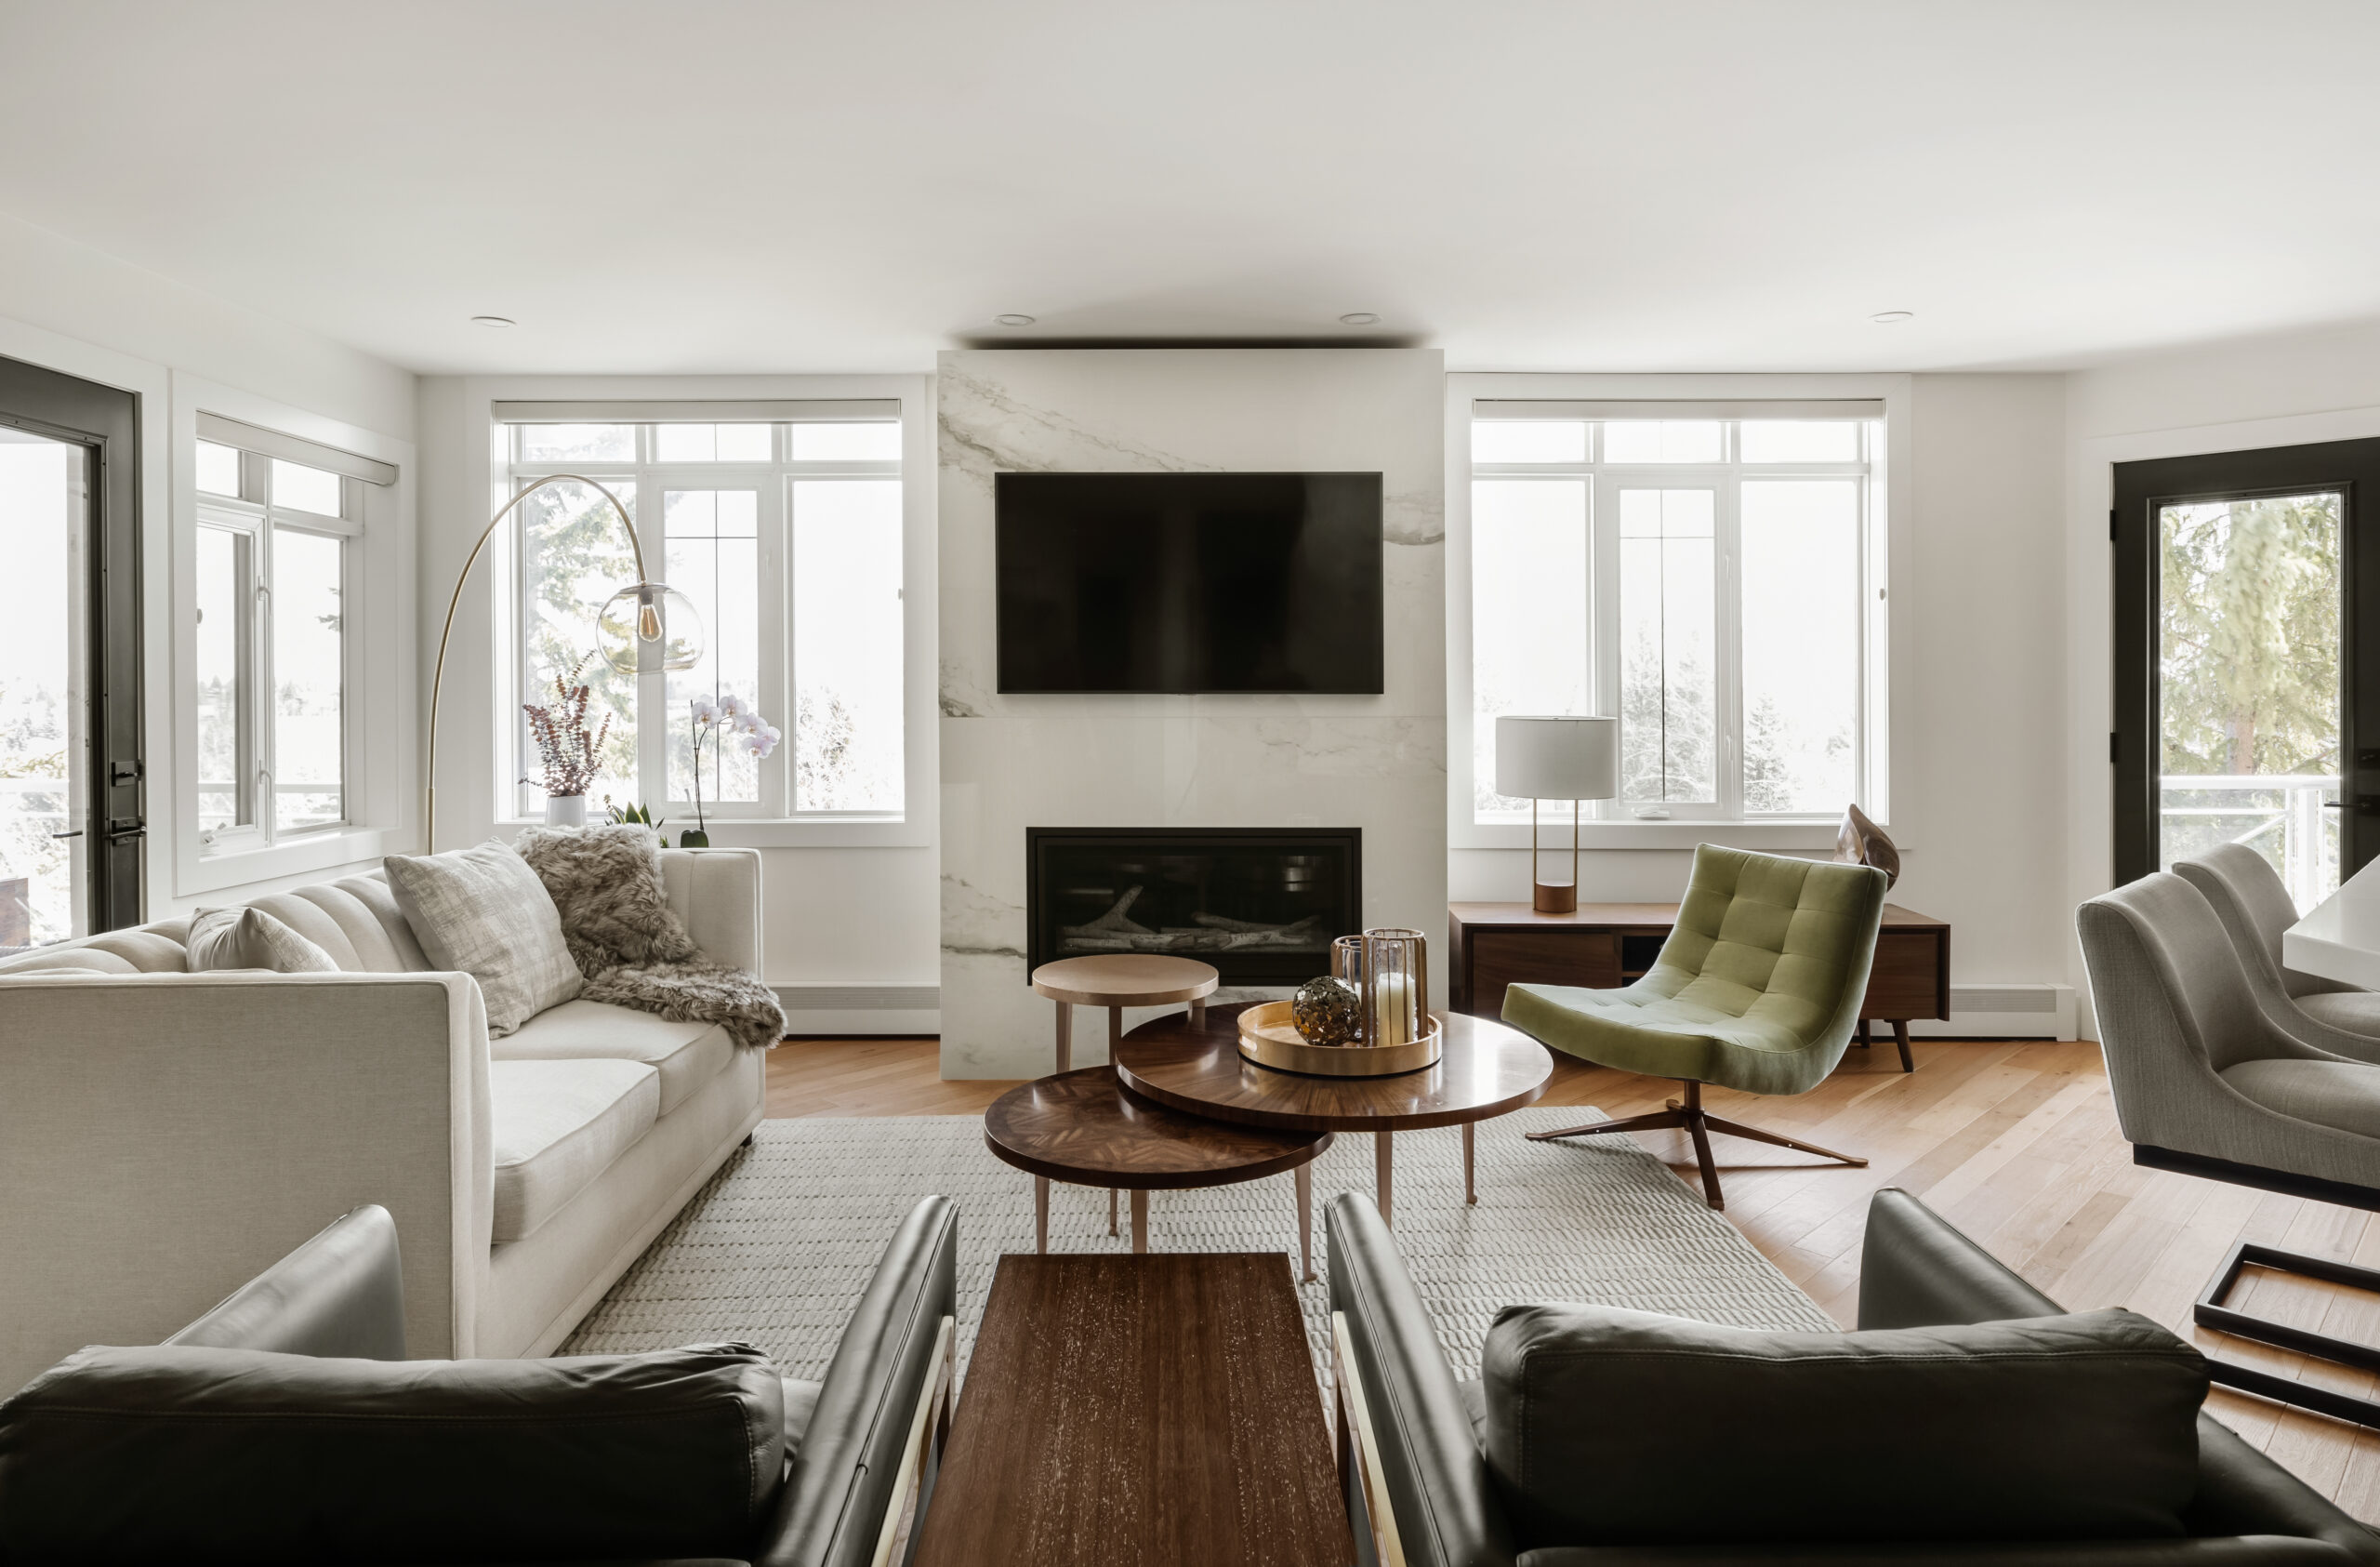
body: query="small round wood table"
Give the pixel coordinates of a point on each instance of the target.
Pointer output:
(1195, 1066)
(1116, 980)
(1080, 1127)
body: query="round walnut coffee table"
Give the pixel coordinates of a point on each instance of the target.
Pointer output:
(1082, 1128)
(1195, 1067)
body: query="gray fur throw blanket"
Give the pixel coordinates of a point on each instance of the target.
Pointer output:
(606, 884)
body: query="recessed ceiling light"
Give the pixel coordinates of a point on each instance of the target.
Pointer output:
(496, 321)
(1360, 318)
(1891, 317)
(1011, 319)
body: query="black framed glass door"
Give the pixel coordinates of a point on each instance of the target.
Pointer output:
(2247, 708)
(73, 818)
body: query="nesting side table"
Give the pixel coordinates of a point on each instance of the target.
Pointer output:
(1116, 980)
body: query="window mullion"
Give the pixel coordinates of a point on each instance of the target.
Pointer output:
(1729, 623)
(653, 715)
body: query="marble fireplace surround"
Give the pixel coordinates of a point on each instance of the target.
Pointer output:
(1372, 763)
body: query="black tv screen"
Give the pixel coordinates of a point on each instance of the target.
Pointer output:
(1189, 581)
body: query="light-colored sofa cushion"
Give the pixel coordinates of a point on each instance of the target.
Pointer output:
(556, 1126)
(221, 938)
(356, 920)
(483, 911)
(686, 1054)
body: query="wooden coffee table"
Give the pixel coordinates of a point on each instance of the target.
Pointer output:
(1195, 1067)
(1080, 1127)
(1139, 1410)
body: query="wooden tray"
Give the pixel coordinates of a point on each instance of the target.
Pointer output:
(1268, 1037)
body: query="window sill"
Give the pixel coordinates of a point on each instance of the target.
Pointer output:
(1767, 837)
(316, 851)
(784, 832)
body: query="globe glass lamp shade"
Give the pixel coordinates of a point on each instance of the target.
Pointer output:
(650, 624)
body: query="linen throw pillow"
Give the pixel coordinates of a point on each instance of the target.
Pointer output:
(221, 938)
(484, 912)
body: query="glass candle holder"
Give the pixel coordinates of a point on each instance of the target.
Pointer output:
(1388, 969)
(1396, 990)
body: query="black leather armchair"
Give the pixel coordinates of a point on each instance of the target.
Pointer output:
(1419, 1491)
(861, 1443)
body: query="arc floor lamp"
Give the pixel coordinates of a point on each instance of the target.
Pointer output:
(646, 624)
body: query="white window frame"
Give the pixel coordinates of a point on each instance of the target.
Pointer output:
(1613, 824)
(262, 523)
(378, 707)
(772, 823)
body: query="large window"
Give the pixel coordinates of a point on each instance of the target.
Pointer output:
(272, 649)
(787, 535)
(1714, 577)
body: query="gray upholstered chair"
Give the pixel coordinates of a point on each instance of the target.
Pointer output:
(2209, 1082)
(2257, 909)
(1757, 988)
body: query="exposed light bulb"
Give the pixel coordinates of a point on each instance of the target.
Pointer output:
(648, 622)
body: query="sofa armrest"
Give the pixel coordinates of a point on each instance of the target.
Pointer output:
(717, 892)
(166, 1137)
(1448, 1514)
(341, 1294)
(832, 1509)
(1916, 1270)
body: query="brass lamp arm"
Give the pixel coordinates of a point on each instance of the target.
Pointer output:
(438, 675)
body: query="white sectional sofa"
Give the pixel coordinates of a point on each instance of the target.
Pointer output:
(165, 1135)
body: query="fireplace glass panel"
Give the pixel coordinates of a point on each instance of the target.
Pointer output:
(1261, 907)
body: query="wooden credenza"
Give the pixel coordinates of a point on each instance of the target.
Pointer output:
(1607, 945)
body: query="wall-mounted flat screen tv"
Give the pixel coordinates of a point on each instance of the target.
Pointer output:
(1189, 581)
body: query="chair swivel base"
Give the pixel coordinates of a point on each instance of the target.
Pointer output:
(1688, 1115)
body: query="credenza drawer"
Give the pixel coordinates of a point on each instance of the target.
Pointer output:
(1587, 959)
(1905, 979)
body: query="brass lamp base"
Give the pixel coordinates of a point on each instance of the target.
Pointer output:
(1554, 898)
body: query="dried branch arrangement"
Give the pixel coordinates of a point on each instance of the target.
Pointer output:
(564, 747)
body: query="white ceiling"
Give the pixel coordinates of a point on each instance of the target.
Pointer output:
(720, 185)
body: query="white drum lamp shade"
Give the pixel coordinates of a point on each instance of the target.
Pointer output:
(1557, 758)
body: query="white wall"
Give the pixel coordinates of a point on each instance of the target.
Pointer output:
(1375, 763)
(69, 308)
(2279, 391)
(1978, 701)
(848, 931)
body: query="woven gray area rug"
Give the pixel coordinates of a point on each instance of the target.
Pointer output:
(777, 1248)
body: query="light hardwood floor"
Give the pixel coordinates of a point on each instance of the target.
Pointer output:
(2016, 1143)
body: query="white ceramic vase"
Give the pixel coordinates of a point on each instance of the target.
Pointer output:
(565, 810)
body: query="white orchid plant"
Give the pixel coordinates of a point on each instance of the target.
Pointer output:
(729, 720)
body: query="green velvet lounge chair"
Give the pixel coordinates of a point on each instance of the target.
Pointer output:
(1758, 988)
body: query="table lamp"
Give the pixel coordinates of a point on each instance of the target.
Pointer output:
(1571, 759)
